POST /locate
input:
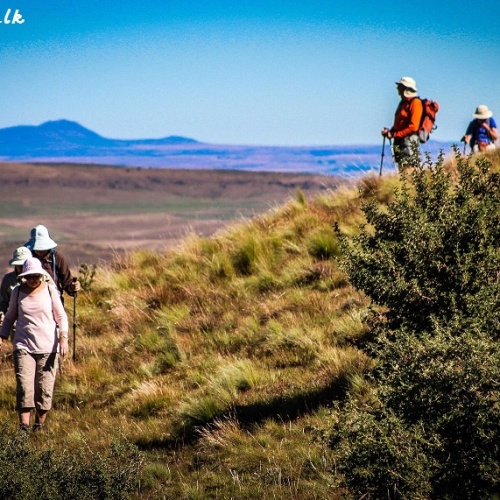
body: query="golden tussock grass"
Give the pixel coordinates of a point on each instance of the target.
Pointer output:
(220, 357)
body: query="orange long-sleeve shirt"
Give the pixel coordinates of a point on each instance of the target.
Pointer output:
(407, 118)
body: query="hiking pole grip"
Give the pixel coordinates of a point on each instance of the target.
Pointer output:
(74, 322)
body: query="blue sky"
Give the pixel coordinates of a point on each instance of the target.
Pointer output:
(261, 72)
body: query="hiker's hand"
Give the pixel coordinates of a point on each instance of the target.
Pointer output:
(63, 344)
(386, 132)
(75, 286)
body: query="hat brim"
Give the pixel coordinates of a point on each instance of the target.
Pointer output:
(39, 271)
(483, 116)
(15, 262)
(41, 245)
(406, 87)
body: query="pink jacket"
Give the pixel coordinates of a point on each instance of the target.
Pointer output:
(37, 315)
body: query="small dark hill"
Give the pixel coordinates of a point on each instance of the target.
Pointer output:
(62, 137)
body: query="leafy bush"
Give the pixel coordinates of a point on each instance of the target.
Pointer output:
(380, 456)
(432, 260)
(434, 252)
(28, 473)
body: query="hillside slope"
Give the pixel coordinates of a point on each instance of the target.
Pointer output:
(253, 330)
(223, 360)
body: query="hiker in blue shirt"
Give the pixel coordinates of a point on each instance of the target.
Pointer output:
(482, 132)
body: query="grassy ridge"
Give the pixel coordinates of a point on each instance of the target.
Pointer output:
(221, 359)
(252, 331)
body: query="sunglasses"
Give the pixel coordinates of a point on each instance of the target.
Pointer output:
(34, 277)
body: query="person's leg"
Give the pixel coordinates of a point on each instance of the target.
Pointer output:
(44, 387)
(24, 420)
(25, 367)
(404, 150)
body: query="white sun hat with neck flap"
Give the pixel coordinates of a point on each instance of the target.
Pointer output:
(40, 239)
(410, 86)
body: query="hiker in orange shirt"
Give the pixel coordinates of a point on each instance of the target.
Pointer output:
(406, 120)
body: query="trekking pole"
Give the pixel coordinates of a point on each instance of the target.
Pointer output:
(382, 156)
(74, 323)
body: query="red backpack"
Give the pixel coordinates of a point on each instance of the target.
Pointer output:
(427, 123)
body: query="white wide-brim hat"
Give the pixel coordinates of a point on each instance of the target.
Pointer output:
(40, 239)
(482, 112)
(409, 84)
(19, 256)
(33, 266)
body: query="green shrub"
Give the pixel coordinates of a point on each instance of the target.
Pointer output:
(381, 456)
(435, 249)
(29, 473)
(86, 276)
(432, 260)
(447, 382)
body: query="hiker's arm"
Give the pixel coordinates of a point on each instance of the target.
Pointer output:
(4, 295)
(492, 131)
(62, 321)
(10, 317)
(65, 277)
(467, 138)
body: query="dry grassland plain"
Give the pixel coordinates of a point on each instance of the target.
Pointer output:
(94, 212)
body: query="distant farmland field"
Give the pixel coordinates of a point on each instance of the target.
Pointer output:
(94, 212)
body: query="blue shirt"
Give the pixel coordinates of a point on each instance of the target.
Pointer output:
(478, 132)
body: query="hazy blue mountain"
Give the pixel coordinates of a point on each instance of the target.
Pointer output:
(68, 141)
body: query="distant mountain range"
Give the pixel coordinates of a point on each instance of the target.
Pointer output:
(65, 141)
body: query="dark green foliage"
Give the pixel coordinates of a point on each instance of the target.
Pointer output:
(28, 473)
(447, 382)
(380, 456)
(433, 260)
(434, 253)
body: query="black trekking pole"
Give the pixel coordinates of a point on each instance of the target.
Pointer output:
(74, 323)
(382, 156)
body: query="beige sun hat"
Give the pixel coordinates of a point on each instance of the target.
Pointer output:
(409, 84)
(19, 256)
(482, 112)
(40, 239)
(33, 266)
